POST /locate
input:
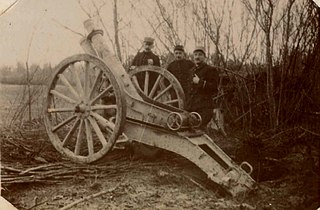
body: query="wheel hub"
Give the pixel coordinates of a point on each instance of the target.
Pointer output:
(82, 108)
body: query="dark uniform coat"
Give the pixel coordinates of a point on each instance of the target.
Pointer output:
(201, 94)
(142, 59)
(182, 70)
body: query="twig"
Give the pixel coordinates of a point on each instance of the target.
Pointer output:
(250, 109)
(38, 167)
(67, 28)
(308, 131)
(194, 182)
(20, 145)
(96, 194)
(31, 181)
(89, 197)
(280, 133)
(103, 25)
(11, 5)
(10, 169)
(85, 11)
(37, 204)
(98, 8)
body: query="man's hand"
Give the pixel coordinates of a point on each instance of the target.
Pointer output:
(150, 62)
(195, 79)
(132, 67)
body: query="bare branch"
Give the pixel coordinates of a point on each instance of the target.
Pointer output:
(85, 11)
(153, 28)
(103, 25)
(11, 5)
(67, 28)
(168, 21)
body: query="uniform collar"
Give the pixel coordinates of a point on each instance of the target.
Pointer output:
(201, 65)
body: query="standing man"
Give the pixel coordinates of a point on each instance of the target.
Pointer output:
(181, 68)
(146, 57)
(204, 86)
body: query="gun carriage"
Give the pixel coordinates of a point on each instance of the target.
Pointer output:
(92, 100)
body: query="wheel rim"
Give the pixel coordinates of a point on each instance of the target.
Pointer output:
(159, 85)
(85, 109)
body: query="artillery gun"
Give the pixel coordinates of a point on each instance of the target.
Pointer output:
(92, 100)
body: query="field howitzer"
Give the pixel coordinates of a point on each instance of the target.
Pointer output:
(92, 100)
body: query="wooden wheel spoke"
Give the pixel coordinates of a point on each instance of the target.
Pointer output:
(85, 109)
(79, 139)
(69, 86)
(101, 94)
(159, 85)
(62, 96)
(111, 106)
(77, 78)
(95, 84)
(89, 137)
(162, 92)
(171, 101)
(66, 121)
(66, 109)
(155, 86)
(70, 133)
(98, 131)
(104, 123)
(146, 83)
(135, 81)
(86, 80)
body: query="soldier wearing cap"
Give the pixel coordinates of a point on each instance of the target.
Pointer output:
(181, 69)
(204, 86)
(146, 57)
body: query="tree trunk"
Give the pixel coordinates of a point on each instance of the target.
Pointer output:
(29, 92)
(270, 84)
(116, 30)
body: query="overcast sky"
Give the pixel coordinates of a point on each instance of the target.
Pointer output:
(34, 25)
(50, 41)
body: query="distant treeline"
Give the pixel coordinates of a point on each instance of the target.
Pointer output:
(22, 74)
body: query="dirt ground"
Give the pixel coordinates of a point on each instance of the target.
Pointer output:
(35, 176)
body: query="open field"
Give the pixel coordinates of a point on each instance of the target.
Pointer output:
(13, 100)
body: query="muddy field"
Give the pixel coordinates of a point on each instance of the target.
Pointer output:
(35, 176)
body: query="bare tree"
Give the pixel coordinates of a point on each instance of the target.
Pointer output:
(262, 12)
(116, 29)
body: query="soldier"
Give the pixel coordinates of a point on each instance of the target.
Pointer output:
(181, 69)
(146, 57)
(204, 86)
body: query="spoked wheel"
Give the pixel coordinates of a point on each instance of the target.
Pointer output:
(85, 109)
(158, 85)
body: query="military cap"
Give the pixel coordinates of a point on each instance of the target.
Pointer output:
(179, 47)
(200, 48)
(148, 39)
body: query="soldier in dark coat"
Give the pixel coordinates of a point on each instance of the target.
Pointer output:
(146, 57)
(181, 69)
(204, 87)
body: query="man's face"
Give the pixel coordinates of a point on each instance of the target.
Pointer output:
(178, 54)
(198, 57)
(147, 46)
